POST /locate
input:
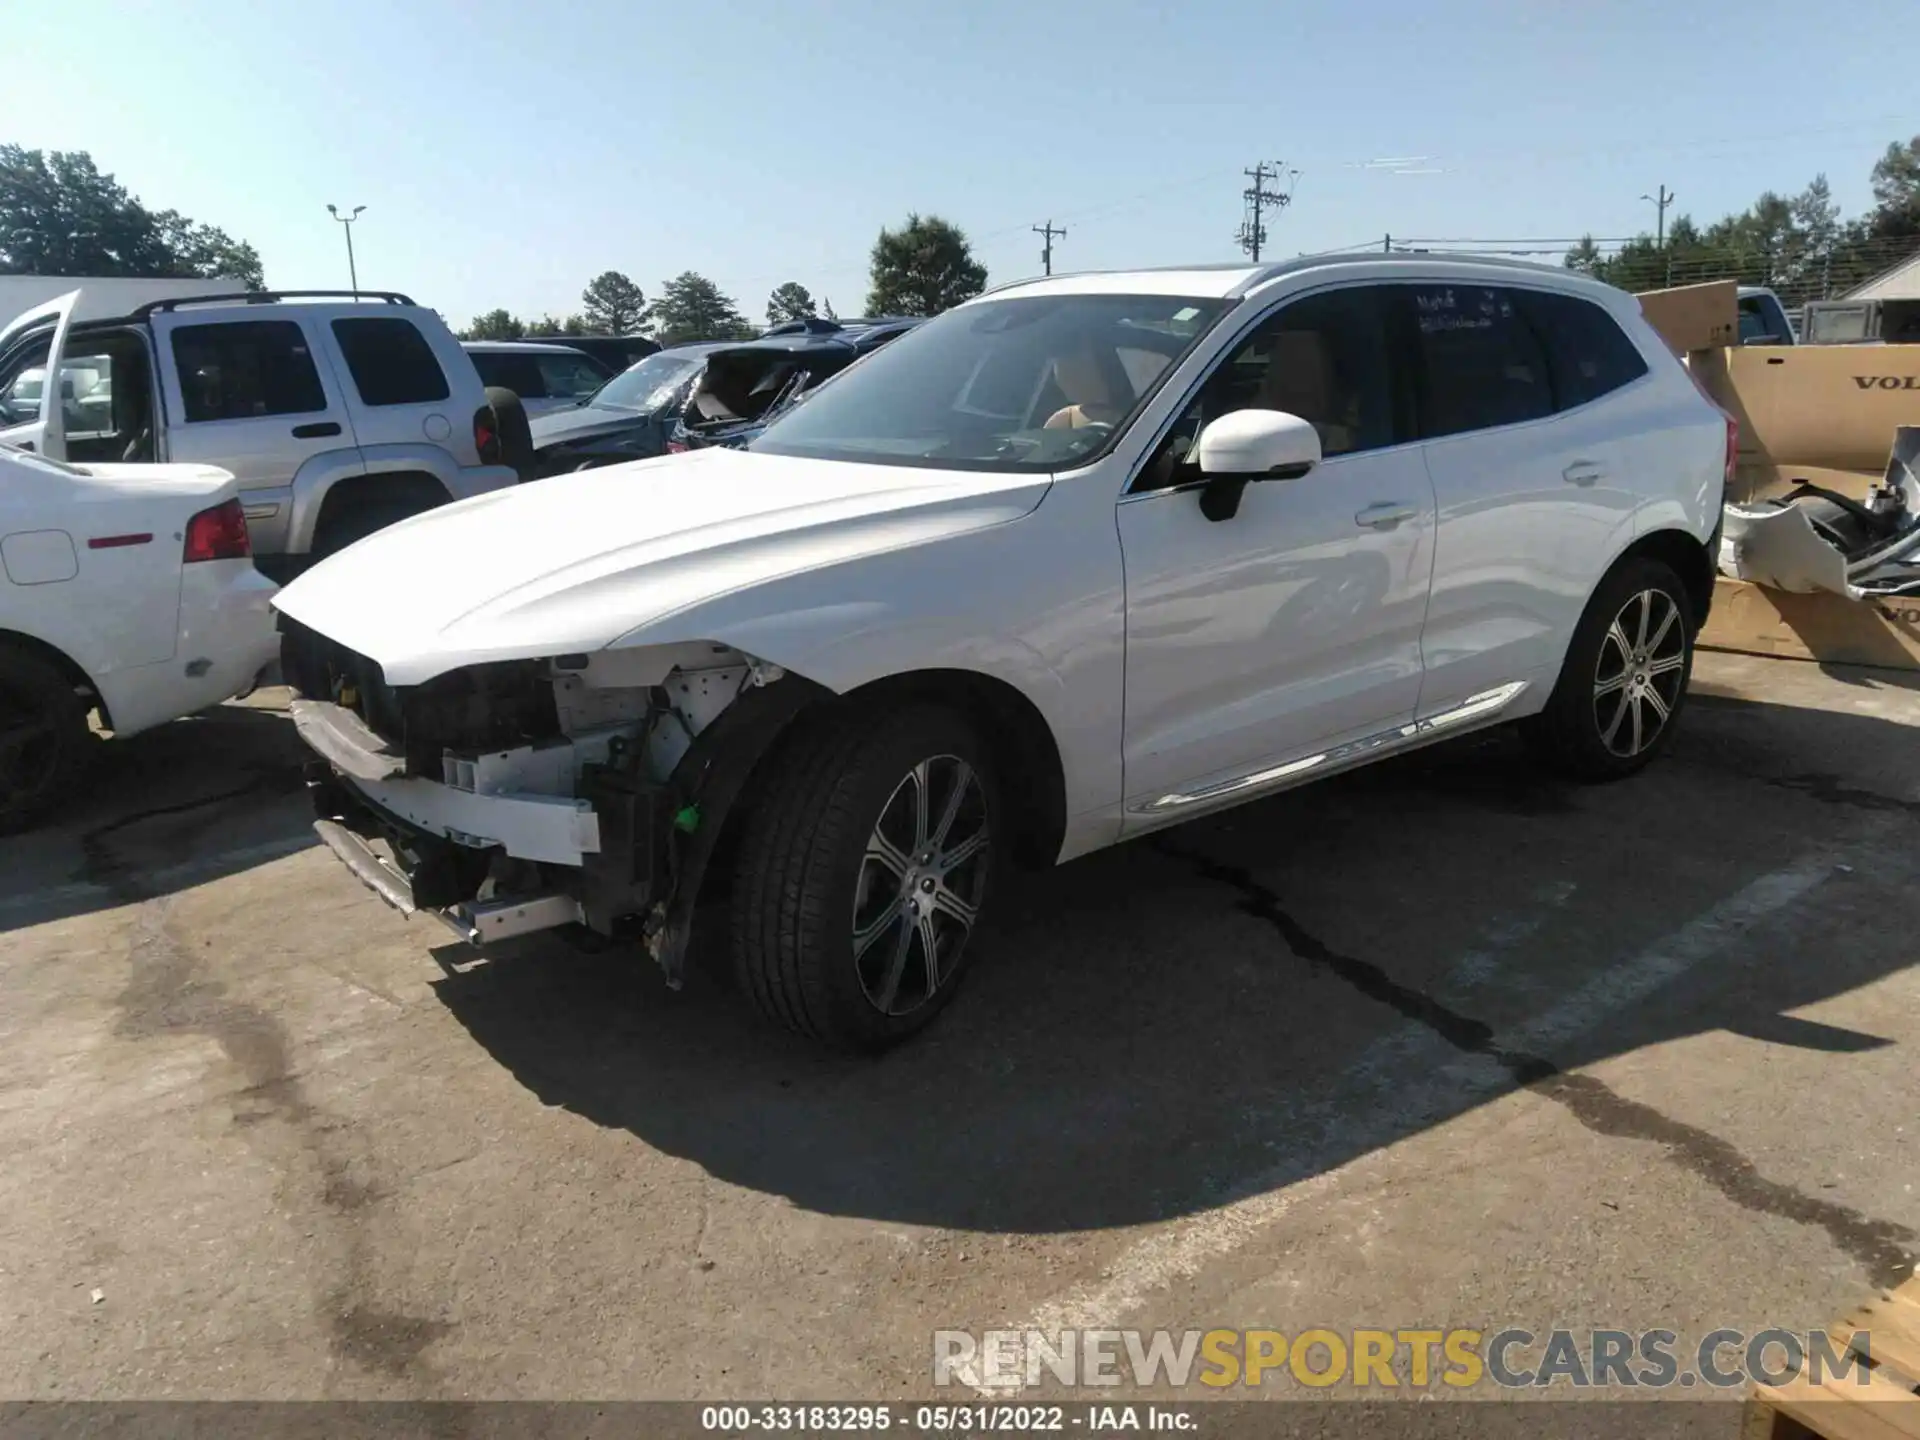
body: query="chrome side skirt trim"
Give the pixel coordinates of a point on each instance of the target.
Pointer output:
(1483, 706)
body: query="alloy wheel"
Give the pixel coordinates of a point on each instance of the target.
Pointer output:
(922, 878)
(1642, 666)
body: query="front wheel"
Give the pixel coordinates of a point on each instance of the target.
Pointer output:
(864, 873)
(1624, 681)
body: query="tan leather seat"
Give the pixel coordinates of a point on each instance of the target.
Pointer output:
(1300, 380)
(1083, 381)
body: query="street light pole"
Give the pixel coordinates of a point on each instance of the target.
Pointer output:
(346, 222)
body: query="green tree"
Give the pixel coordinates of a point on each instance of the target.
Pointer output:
(61, 215)
(209, 250)
(789, 302)
(826, 309)
(1800, 245)
(545, 328)
(1584, 257)
(691, 307)
(1817, 214)
(495, 325)
(613, 305)
(922, 268)
(1896, 190)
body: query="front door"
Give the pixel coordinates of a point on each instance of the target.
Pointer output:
(34, 394)
(1263, 640)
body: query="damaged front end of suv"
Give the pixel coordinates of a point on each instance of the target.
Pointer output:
(521, 795)
(1816, 538)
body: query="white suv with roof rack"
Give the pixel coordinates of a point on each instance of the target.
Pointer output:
(338, 414)
(1079, 559)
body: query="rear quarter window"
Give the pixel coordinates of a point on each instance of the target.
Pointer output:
(511, 370)
(390, 361)
(1587, 352)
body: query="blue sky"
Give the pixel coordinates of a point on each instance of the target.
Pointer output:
(507, 152)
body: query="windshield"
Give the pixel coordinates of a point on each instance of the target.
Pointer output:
(1021, 384)
(648, 385)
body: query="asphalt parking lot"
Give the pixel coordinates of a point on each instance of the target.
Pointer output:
(1440, 1043)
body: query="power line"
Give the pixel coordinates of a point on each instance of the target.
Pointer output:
(1046, 250)
(1253, 229)
(1660, 209)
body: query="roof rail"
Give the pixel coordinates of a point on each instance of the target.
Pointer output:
(268, 297)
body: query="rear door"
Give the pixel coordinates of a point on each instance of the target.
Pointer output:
(32, 405)
(1524, 440)
(252, 395)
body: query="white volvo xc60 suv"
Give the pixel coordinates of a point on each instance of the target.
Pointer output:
(1079, 559)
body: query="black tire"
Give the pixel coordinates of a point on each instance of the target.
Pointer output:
(510, 424)
(807, 874)
(1589, 734)
(45, 743)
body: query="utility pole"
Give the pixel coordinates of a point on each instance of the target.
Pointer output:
(346, 221)
(1048, 232)
(1253, 230)
(1660, 225)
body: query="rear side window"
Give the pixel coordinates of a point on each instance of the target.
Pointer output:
(1587, 353)
(246, 369)
(570, 376)
(390, 361)
(514, 370)
(1483, 363)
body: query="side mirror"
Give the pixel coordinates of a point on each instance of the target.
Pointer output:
(1249, 445)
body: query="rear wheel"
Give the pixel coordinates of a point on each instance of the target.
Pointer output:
(343, 528)
(45, 744)
(864, 873)
(1624, 682)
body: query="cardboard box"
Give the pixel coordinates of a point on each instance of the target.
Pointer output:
(1819, 626)
(1695, 317)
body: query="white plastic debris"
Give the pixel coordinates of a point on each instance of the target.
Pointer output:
(99, 1295)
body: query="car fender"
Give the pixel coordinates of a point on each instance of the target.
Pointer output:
(317, 478)
(1056, 636)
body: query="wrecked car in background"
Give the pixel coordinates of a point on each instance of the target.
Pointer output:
(709, 386)
(805, 373)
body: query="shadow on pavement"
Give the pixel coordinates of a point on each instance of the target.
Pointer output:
(184, 803)
(1262, 996)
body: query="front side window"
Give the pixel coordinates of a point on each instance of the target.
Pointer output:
(1026, 384)
(1483, 364)
(1323, 358)
(246, 369)
(23, 380)
(391, 362)
(108, 398)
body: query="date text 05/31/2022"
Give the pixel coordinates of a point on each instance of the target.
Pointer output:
(944, 1419)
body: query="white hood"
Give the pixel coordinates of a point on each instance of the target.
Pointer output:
(573, 563)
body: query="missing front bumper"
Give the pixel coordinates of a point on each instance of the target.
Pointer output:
(477, 921)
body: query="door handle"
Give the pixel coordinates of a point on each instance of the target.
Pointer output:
(316, 430)
(1582, 472)
(1384, 516)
